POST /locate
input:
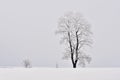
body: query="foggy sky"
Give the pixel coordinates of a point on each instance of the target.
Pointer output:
(27, 31)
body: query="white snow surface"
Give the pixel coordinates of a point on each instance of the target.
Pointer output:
(59, 74)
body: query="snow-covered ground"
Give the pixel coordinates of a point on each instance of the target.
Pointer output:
(59, 74)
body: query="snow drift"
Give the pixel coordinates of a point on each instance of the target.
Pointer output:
(59, 74)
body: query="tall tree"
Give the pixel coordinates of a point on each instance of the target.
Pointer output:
(76, 34)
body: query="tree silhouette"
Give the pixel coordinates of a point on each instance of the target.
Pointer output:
(76, 34)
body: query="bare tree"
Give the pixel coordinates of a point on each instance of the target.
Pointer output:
(57, 65)
(76, 35)
(27, 63)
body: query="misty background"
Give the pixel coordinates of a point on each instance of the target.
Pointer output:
(27, 31)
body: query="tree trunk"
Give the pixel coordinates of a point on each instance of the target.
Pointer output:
(74, 65)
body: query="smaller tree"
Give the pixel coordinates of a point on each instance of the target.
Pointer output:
(57, 66)
(27, 63)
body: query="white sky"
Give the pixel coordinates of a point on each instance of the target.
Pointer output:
(27, 31)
